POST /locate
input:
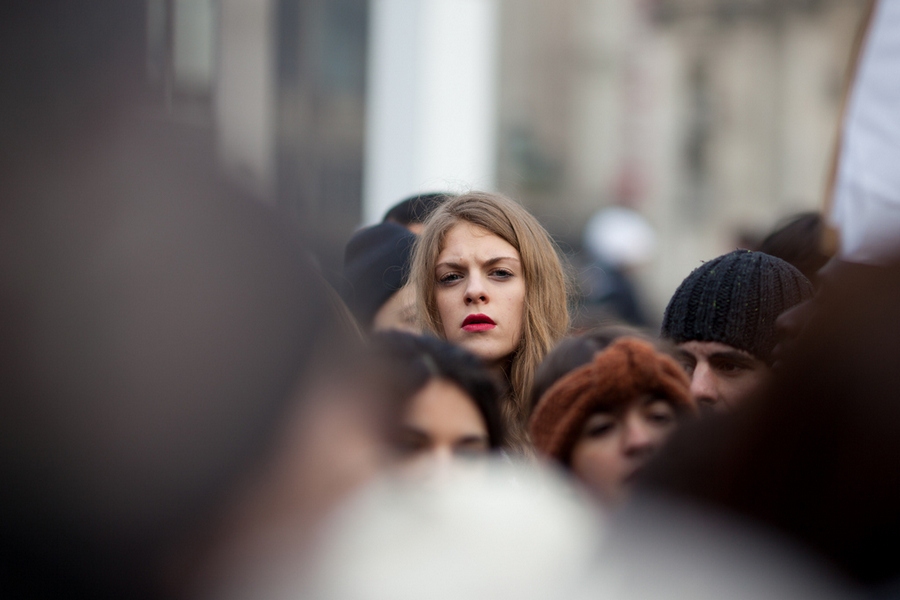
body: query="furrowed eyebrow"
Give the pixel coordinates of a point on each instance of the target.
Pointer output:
(488, 263)
(450, 264)
(496, 259)
(685, 355)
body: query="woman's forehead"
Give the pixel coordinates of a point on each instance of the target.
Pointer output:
(465, 237)
(638, 400)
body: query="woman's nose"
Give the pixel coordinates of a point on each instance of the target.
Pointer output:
(475, 290)
(638, 437)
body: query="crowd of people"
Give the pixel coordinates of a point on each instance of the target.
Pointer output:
(730, 360)
(486, 278)
(202, 405)
(192, 409)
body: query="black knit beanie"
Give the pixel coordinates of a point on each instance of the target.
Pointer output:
(735, 299)
(376, 264)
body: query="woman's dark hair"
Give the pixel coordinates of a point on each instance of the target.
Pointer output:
(415, 209)
(417, 359)
(577, 351)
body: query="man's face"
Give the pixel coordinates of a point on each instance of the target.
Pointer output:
(721, 375)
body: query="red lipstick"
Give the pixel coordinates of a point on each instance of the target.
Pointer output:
(479, 322)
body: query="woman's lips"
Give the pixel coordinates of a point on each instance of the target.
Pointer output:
(479, 322)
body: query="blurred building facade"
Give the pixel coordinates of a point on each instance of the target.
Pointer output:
(710, 117)
(714, 118)
(276, 89)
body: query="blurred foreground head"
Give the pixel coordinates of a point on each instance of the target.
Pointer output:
(156, 323)
(508, 532)
(152, 342)
(816, 457)
(153, 339)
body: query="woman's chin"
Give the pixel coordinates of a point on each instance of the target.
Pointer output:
(486, 350)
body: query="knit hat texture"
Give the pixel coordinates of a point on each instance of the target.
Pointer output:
(624, 371)
(735, 299)
(376, 265)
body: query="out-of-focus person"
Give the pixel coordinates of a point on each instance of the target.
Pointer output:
(618, 241)
(412, 212)
(722, 318)
(159, 328)
(451, 406)
(798, 240)
(376, 269)
(507, 531)
(488, 278)
(154, 351)
(578, 350)
(604, 420)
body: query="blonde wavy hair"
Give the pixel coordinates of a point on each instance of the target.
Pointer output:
(546, 317)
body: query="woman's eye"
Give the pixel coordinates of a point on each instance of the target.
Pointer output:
(661, 412)
(408, 447)
(599, 430)
(662, 417)
(449, 278)
(408, 442)
(502, 273)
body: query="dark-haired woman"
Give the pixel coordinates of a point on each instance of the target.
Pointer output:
(450, 400)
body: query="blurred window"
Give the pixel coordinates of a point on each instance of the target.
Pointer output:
(181, 56)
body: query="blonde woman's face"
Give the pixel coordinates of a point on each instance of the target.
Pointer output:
(480, 292)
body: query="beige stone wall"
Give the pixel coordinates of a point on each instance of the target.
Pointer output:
(709, 116)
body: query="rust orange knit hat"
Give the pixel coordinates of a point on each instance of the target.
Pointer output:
(625, 370)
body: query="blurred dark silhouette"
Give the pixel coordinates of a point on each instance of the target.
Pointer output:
(412, 212)
(815, 456)
(156, 322)
(798, 240)
(617, 242)
(151, 340)
(376, 269)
